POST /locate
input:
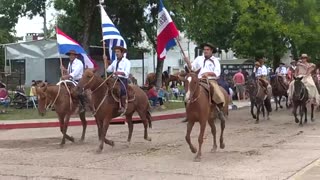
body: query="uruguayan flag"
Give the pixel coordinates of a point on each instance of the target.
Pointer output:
(111, 35)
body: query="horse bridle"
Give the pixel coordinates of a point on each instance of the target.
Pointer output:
(191, 99)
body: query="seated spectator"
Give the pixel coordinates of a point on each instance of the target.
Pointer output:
(4, 97)
(175, 91)
(153, 95)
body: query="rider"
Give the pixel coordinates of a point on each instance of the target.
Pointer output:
(121, 68)
(282, 72)
(261, 73)
(304, 69)
(210, 69)
(74, 73)
(292, 69)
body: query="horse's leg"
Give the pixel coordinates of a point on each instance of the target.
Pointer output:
(222, 126)
(301, 114)
(258, 112)
(276, 101)
(82, 116)
(294, 111)
(312, 110)
(188, 139)
(287, 105)
(98, 122)
(251, 110)
(104, 130)
(305, 114)
(263, 111)
(203, 123)
(65, 129)
(143, 116)
(130, 126)
(280, 97)
(214, 133)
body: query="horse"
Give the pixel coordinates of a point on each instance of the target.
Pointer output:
(258, 99)
(200, 109)
(106, 104)
(65, 103)
(300, 98)
(279, 89)
(151, 78)
(133, 80)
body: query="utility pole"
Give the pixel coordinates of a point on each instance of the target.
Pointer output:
(45, 31)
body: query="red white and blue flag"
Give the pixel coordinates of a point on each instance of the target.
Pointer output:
(166, 32)
(65, 44)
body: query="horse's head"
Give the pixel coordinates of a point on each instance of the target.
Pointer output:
(41, 89)
(191, 83)
(87, 80)
(299, 88)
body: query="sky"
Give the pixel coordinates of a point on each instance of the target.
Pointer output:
(34, 25)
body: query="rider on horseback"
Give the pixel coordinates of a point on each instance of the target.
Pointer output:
(74, 73)
(304, 69)
(121, 68)
(210, 69)
(261, 73)
(282, 72)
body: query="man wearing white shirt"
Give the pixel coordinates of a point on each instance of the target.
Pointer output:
(74, 72)
(121, 68)
(282, 72)
(210, 69)
(261, 73)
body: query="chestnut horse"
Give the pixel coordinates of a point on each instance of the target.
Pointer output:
(106, 104)
(65, 104)
(200, 109)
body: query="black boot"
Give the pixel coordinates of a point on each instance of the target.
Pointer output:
(122, 104)
(82, 103)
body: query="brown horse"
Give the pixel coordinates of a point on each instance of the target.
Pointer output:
(200, 109)
(279, 89)
(106, 103)
(65, 103)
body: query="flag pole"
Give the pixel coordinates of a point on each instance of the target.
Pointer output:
(103, 44)
(187, 61)
(60, 58)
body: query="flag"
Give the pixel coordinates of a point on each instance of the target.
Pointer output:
(65, 44)
(111, 34)
(166, 32)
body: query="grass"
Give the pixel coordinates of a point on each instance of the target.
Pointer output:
(22, 114)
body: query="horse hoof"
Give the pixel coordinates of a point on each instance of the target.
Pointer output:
(281, 107)
(61, 145)
(214, 149)
(254, 116)
(99, 150)
(148, 139)
(222, 146)
(72, 139)
(193, 150)
(312, 120)
(297, 120)
(197, 159)
(81, 140)
(111, 143)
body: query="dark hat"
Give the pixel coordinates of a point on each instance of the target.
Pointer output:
(214, 49)
(72, 52)
(122, 49)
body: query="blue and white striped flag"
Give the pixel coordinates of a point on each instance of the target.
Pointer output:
(111, 35)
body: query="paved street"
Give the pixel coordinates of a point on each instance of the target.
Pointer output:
(275, 149)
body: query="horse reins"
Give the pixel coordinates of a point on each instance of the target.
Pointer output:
(58, 94)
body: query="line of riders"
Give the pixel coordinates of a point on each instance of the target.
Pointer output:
(112, 96)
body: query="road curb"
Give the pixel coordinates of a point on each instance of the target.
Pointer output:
(121, 120)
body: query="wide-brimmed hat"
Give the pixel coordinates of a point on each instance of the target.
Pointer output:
(304, 56)
(214, 49)
(72, 52)
(122, 49)
(257, 63)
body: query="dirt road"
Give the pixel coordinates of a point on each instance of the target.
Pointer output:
(274, 149)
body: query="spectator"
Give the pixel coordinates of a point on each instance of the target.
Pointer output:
(239, 81)
(4, 97)
(153, 95)
(175, 91)
(33, 93)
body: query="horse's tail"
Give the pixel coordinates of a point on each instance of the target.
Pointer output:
(267, 104)
(149, 118)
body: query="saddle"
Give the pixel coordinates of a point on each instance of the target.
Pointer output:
(205, 84)
(131, 95)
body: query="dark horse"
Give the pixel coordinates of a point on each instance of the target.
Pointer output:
(200, 109)
(105, 101)
(65, 103)
(279, 89)
(300, 98)
(258, 99)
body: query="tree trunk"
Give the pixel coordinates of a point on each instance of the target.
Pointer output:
(88, 8)
(159, 73)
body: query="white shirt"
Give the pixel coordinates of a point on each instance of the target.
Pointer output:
(282, 70)
(261, 71)
(124, 66)
(75, 69)
(210, 65)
